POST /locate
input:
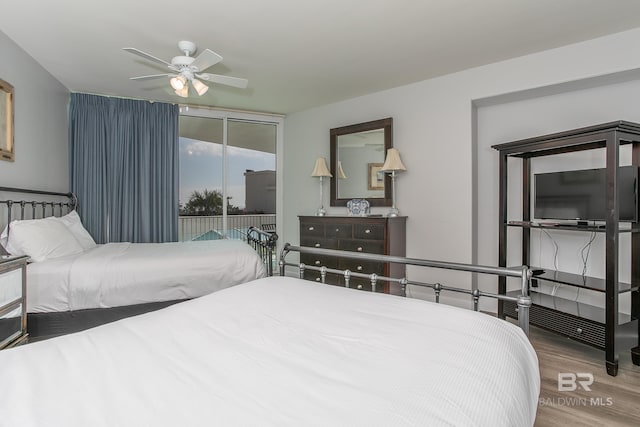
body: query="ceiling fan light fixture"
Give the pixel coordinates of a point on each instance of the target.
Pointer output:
(184, 92)
(178, 82)
(184, 68)
(200, 87)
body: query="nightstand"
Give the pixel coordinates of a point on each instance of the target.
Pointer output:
(13, 302)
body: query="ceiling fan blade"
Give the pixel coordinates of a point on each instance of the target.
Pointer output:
(205, 60)
(225, 80)
(146, 55)
(152, 76)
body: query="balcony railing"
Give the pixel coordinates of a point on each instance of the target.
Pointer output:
(211, 227)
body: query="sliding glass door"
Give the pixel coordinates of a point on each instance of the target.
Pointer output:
(227, 175)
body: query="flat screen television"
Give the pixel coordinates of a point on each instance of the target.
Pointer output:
(581, 195)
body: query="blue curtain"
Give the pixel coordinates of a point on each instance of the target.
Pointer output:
(123, 157)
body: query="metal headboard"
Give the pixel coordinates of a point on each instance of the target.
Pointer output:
(32, 209)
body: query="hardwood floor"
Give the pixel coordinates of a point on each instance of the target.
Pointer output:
(612, 401)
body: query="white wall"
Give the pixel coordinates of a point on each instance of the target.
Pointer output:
(434, 129)
(41, 146)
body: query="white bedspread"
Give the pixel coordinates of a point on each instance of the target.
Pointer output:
(279, 352)
(117, 274)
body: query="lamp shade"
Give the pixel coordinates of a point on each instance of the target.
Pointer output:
(200, 87)
(178, 82)
(321, 168)
(341, 173)
(393, 162)
(184, 92)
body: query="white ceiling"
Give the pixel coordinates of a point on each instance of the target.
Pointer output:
(296, 54)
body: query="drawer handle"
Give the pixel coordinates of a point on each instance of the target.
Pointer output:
(311, 228)
(317, 245)
(317, 262)
(359, 268)
(359, 286)
(359, 249)
(367, 231)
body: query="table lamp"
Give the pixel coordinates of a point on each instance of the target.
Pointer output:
(393, 164)
(320, 170)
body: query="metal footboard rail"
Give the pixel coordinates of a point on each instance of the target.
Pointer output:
(522, 272)
(264, 242)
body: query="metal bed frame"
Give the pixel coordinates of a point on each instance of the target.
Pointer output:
(38, 209)
(60, 323)
(264, 242)
(43, 325)
(523, 273)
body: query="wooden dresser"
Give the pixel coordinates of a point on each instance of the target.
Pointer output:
(376, 235)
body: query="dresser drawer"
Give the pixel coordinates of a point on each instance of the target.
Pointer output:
(580, 329)
(312, 229)
(365, 284)
(359, 266)
(366, 246)
(339, 231)
(319, 260)
(314, 276)
(369, 231)
(312, 242)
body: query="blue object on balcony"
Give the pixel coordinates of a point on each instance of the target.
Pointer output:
(209, 235)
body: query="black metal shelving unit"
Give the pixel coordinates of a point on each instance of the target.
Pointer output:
(601, 327)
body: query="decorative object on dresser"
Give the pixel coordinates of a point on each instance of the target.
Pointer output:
(393, 164)
(13, 303)
(374, 235)
(320, 170)
(358, 207)
(360, 149)
(6, 121)
(608, 327)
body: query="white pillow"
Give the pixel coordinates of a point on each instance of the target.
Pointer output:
(41, 239)
(74, 224)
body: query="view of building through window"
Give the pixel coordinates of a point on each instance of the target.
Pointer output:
(247, 190)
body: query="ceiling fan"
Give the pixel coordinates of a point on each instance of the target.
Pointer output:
(187, 69)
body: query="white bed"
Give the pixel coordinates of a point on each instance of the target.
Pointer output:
(74, 283)
(118, 274)
(71, 272)
(279, 352)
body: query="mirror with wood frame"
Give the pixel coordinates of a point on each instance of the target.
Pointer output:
(357, 155)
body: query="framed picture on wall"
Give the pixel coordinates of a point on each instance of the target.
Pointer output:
(6, 121)
(376, 177)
